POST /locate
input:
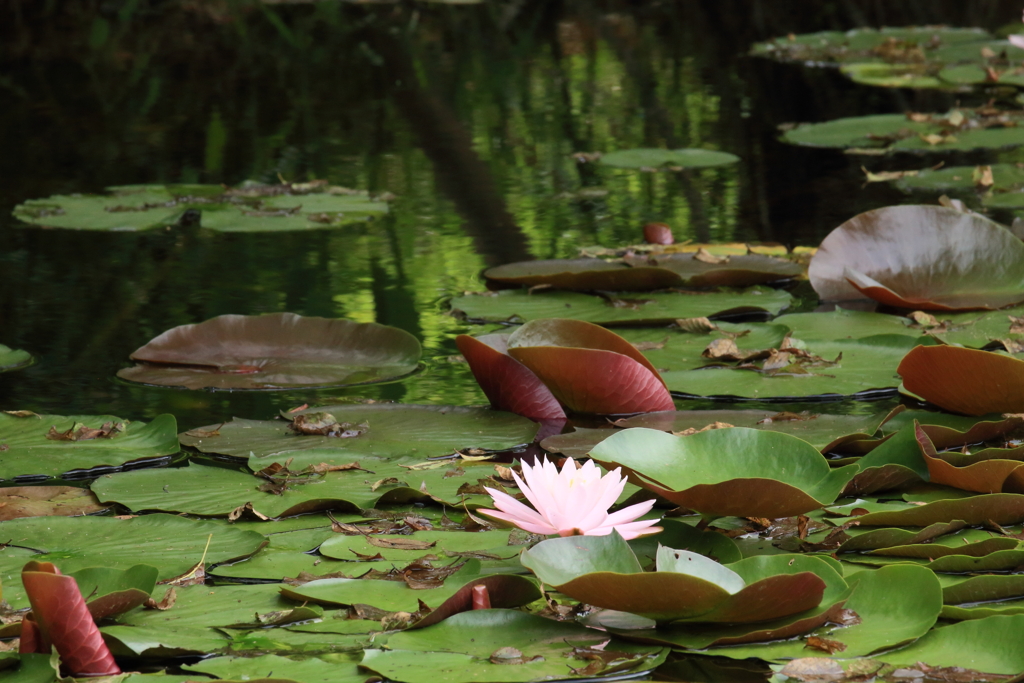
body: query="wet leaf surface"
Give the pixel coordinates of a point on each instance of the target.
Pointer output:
(921, 257)
(273, 351)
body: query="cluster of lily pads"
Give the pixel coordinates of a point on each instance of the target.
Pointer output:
(353, 542)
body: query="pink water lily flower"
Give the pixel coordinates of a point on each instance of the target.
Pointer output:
(573, 502)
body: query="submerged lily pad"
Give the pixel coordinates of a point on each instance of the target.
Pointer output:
(274, 351)
(647, 158)
(248, 208)
(658, 307)
(13, 359)
(42, 501)
(393, 430)
(921, 257)
(727, 471)
(51, 445)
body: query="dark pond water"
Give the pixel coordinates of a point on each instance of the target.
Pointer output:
(469, 115)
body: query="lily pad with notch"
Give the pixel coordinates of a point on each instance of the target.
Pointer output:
(273, 351)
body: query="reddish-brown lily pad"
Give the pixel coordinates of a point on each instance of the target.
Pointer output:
(507, 383)
(704, 270)
(964, 380)
(921, 257)
(585, 274)
(995, 475)
(41, 501)
(1002, 508)
(274, 351)
(589, 369)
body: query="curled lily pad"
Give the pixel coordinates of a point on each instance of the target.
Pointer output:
(274, 351)
(51, 445)
(921, 257)
(588, 368)
(13, 359)
(659, 307)
(965, 380)
(248, 208)
(646, 158)
(727, 471)
(507, 383)
(602, 571)
(1002, 508)
(993, 474)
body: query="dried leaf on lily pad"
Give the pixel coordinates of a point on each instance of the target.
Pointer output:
(741, 472)
(602, 571)
(588, 368)
(13, 359)
(251, 207)
(41, 501)
(921, 257)
(29, 449)
(394, 430)
(274, 351)
(965, 380)
(507, 383)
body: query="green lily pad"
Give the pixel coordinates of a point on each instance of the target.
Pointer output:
(725, 472)
(862, 44)
(682, 536)
(1006, 177)
(505, 590)
(687, 587)
(14, 359)
(898, 133)
(503, 646)
(862, 369)
(959, 590)
(273, 351)
(991, 645)
(844, 325)
(394, 430)
(519, 306)
(248, 208)
(393, 548)
(308, 670)
(667, 158)
(895, 605)
(171, 544)
(162, 641)
(109, 592)
(40, 444)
